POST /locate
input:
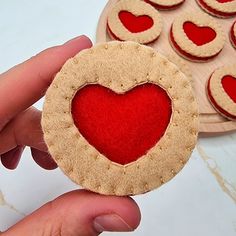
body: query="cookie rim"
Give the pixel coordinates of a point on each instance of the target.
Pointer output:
(136, 7)
(221, 7)
(234, 28)
(167, 3)
(232, 34)
(181, 64)
(217, 92)
(145, 165)
(199, 19)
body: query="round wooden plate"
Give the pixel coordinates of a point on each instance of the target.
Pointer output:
(210, 121)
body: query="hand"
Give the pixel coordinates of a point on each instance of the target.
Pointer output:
(76, 213)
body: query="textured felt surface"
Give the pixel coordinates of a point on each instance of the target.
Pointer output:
(215, 11)
(232, 35)
(185, 54)
(120, 67)
(123, 127)
(113, 36)
(229, 85)
(220, 109)
(183, 44)
(164, 7)
(221, 90)
(135, 24)
(199, 35)
(134, 21)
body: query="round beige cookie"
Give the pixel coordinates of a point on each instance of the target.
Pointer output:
(217, 95)
(119, 66)
(118, 31)
(201, 52)
(217, 8)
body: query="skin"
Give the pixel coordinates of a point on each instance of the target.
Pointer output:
(75, 213)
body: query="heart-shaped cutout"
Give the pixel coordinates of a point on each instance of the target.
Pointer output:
(199, 35)
(123, 127)
(135, 24)
(229, 85)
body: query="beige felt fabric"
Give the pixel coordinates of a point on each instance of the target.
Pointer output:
(234, 33)
(167, 3)
(217, 91)
(226, 7)
(181, 64)
(119, 66)
(200, 19)
(234, 29)
(138, 8)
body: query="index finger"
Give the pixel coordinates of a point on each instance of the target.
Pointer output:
(24, 84)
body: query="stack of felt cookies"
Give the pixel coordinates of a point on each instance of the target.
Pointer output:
(194, 36)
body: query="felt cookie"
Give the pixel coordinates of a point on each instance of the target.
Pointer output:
(165, 4)
(196, 36)
(134, 21)
(219, 8)
(221, 90)
(232, 34)
(181, 64)
(114, 116)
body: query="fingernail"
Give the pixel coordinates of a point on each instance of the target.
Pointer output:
(81, 37)
(112, 223)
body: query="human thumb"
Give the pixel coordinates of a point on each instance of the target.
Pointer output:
(80, 213)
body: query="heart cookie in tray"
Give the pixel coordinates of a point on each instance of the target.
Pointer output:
(114, 116)
(221, 90)
(134, 21)
(219, 8)
(196, 36)
(165, 4)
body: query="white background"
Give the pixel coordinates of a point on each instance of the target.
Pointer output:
(198, 201)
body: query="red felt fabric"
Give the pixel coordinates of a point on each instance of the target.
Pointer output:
(123, 127)
(214, 11)
(229, 85)
(219, 108)
(161, 7)
(188, 55)
(135, 24)
(223, 1)
(199, 35)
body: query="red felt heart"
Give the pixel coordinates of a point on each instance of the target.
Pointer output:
(199, 35)
(229, 85)
(123, 127)
(135, 24)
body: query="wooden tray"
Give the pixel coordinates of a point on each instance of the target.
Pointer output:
(210, 121)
